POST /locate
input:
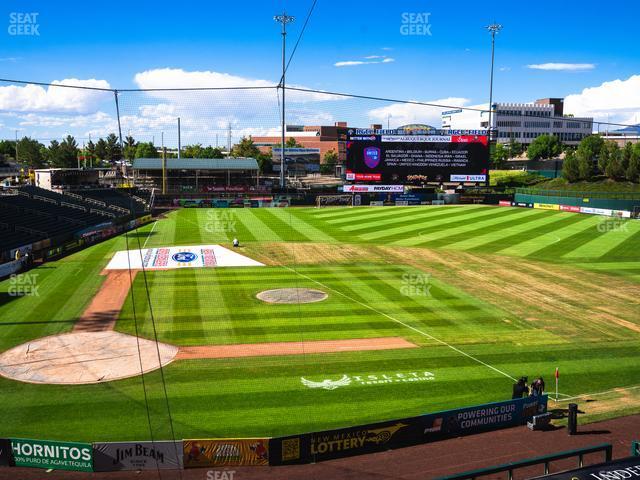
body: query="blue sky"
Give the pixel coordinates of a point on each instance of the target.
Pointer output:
(114, 41)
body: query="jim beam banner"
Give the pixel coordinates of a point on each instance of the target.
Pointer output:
(226, 452)
(5, 452)
(49, 454)
(623, 468)
(113, 456)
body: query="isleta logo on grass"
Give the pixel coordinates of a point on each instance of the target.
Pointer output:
(398, 377)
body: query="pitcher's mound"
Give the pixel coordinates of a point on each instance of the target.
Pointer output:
(83, 358)
(292, 295)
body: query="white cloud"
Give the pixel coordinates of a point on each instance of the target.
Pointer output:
(570, 67)
(505, 69)
(369, 60)
(618, 100)
(35, 98)
(406, 113)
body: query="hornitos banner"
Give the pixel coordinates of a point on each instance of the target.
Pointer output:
(226, 452)
(50, 454)
(164, 455)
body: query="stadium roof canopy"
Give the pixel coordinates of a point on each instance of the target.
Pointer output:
(196, 164)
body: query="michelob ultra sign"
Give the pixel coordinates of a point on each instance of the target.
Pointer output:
(50, 454)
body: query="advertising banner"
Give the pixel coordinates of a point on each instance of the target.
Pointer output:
(504, 203)
(8, 268)
(416, 159)
(164, 455)
(522, 204)
(5, 453)
(393, 434)
(570, 208)
(50, 454)
(547, 206)
(628, 467)
(373, 188)
(226, 452)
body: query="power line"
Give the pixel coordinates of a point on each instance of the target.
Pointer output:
(304, 26)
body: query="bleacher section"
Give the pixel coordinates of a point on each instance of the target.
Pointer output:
(31, 214)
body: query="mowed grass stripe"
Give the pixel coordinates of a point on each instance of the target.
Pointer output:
(407, 230)
(542, 226)
(283, 227)
(608, 240)
(625, 250)
(418, 215)
(377, 213)
(297, 221)
(468, 236)
(260, 230)
(462, 225)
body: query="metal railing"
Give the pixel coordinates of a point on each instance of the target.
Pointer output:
(543, 460)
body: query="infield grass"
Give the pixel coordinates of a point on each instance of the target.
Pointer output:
(485, 294)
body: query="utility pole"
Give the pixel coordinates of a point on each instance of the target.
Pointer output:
(493, 28)
(179, 142)
(283, 19)
(16, 146)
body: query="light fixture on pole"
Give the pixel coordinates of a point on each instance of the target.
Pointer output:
(283, 19)
(493, 28)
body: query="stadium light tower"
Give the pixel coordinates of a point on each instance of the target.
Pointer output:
(283, 19)
(493, 28)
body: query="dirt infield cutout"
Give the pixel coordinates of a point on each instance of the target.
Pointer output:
(83, 358)
(292, 348)
(292, 295)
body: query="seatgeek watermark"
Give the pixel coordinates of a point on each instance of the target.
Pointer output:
(24, 285)
(221, 475)
(220, 222)
(612, 224)
(415, 24)
(416, 285)
(24, 24)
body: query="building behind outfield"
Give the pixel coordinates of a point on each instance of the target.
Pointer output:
(522, 122)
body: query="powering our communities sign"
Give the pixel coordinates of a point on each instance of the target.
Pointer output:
(50, 454)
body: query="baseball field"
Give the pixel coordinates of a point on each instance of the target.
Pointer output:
(426, 308)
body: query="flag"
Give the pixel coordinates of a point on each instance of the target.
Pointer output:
(557, 373)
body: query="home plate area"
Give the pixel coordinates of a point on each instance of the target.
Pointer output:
(164, 258)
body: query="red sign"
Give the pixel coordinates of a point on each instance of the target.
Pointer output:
(504, 203)
(483, 139)
(570, 208)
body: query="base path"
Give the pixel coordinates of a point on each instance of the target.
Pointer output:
(102, 313)
(292, 348)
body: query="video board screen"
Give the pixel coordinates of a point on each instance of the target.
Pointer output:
(417, 159)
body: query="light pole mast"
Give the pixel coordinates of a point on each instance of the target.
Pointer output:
(493, 28)
(283, 19)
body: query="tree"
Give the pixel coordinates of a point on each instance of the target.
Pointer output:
(605, 156)
(514, 149)
(211, 152)
(246, 148)
(627, 154)
(101, 149)
(146, 150)
(570, 170)
(265, 162)
(293, 143)
(499, 156)
(8, 149)
(114, 152)
(193, 151)
(130, 148)
(329, 162)
(615, 169)
(54, 154)
(30, 152)
(68, 152)
(585, 165)
(633, 170)
(544, 146)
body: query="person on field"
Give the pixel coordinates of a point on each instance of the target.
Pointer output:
(236, 243)
(537, 387)
(520, 388)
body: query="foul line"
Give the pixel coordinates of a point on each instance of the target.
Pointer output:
(615, 390)
(400, 322)
(149, 234)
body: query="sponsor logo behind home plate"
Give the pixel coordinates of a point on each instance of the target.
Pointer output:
(368, 380)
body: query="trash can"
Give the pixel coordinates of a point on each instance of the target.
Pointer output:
(572, 427)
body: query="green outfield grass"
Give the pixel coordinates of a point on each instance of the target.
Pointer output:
(485, 293)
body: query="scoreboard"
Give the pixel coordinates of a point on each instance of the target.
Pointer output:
(392, 157)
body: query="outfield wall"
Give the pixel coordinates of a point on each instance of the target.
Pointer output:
(293, 449)
(628, 204)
